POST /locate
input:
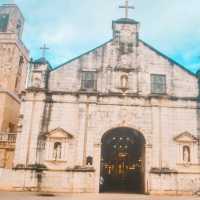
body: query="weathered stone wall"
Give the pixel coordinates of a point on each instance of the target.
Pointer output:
(18, 180)
(26, 180)
(68, 76)
(12, 71)
(174, 184)
(10, 113)
(32, 111)
(6, 156)
(2, 98)
(159, 120)
(12, 80)
(79, 119)
(68, 181)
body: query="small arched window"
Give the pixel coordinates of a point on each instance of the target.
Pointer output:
(186, 154)
(124, 81)
(57, 151)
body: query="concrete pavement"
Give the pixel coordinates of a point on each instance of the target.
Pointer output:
(34, 196)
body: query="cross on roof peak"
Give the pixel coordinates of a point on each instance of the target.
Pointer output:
(44, 49)
(126, 7)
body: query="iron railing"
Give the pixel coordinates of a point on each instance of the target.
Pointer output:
(8, 138)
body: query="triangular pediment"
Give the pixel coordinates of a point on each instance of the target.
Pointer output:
(185, 137)
(59, 133)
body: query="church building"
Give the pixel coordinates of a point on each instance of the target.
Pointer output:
(122, 117)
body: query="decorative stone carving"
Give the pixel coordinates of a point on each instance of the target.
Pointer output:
(36, 80)
(186, 137)
(57, 143)
(186, 143)
(124, 81)
(186, 154)
(125, 61)
(57, 151)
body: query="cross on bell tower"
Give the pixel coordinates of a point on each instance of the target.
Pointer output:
(126, 32)
(126, 7)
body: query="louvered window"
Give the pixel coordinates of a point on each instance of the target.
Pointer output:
(158, 84)
(89, 80)
(4, 22)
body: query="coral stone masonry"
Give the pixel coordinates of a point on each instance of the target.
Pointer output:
(13, 69)
(122, 117)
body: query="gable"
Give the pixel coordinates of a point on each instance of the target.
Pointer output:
(144, 43)
(59, 133)
(82, 55)
(180, 82)
(170, 60)
(66, 77)
(185, 137)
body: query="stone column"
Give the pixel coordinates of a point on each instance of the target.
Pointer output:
(109, 79)
(23, 138)
(148, 162)
(156, 131)
(97, 165)
(35, 131)
(26, 147)
(83, 131)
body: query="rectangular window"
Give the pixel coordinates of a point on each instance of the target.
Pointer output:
(158, 84)
(122, 47)
(89, 81)
(4, 22)
(130, 47)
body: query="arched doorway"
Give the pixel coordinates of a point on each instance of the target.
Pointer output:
(122, 161)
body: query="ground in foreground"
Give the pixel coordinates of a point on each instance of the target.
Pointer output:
(34, 196)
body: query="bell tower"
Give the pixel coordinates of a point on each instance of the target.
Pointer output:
(13, 53)
(125, 42)
(11, 20)
(14, 59)
(125, 30)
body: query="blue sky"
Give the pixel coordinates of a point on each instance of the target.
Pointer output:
(71, 27)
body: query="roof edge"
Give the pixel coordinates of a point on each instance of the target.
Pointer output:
(186, 133)
(83, 54)
(146, 44)
(125, 21)
(169, 59)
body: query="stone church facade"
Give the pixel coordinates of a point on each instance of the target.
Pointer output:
(121, 117)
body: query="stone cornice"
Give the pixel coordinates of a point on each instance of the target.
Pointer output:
(163, 171)
(114, 94)
(111, 99)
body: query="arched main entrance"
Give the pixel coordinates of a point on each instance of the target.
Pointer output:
(122, 161)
